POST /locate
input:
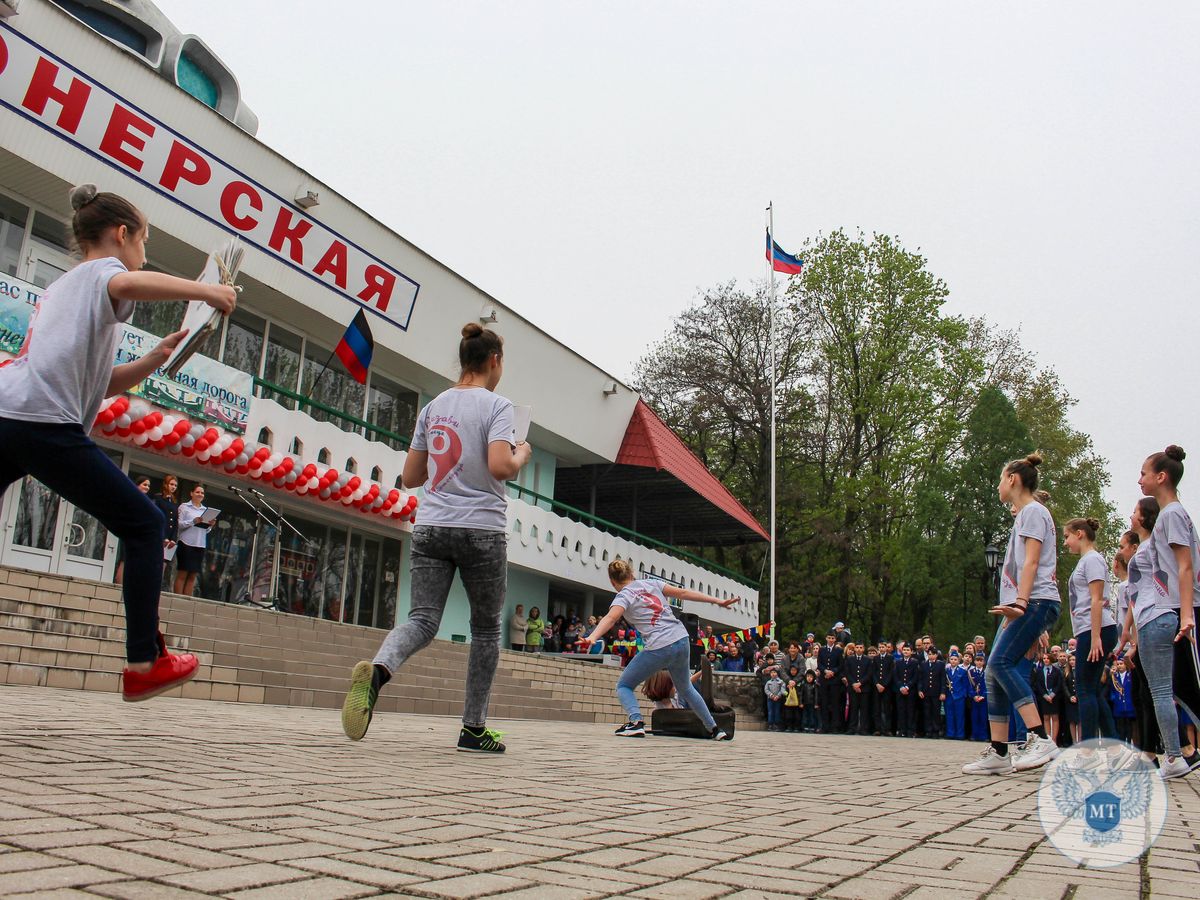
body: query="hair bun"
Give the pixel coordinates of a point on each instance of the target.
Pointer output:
(1176, 453)
(1034, 459)
(81, 195)
(1094, 524)
(472, 330)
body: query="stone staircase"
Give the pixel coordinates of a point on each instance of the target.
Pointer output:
(69, 633)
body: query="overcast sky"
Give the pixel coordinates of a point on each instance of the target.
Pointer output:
(595, 165)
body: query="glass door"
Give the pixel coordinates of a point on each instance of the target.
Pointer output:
(45, 533)
(44, 265)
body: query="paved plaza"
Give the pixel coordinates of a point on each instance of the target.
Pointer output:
(184, 798)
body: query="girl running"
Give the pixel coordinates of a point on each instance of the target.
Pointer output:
(51, 392)
(469, 436)
(1029, 604)
(645, 605)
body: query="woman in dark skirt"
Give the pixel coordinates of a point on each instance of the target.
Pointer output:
(1070, 700)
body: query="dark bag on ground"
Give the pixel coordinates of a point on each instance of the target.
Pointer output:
(685, 722)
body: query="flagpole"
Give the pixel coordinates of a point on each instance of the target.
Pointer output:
(771, 338)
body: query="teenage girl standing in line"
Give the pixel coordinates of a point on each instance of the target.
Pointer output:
(51, 392)
(1029, 604)
(1174, 563)
(463, 450)
(1136, 551)
(645, 605)
(1094, 627)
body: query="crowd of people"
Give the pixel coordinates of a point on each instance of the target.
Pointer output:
(1128, 673)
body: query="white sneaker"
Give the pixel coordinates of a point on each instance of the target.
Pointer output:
(1089, 762)
(990, 763)
(1174, 767)
(1122, 758)
(1036, 751)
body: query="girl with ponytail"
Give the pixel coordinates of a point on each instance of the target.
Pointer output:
(51, 392)
(1166, 605)
(1029, 604)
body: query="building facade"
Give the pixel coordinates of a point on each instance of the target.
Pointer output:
(109, 92)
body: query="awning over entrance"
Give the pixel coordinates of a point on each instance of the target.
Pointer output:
(660, 488)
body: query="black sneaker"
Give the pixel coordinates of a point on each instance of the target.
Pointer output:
(480, 740)
(718, 735)
(631, 729)
(359, 705)
(1193, 761)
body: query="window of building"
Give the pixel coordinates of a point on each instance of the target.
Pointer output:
(392, 407)
(326, 381)
(49, 232)
(107, 25)
(161, 319)
(13, 217)
(283, 361)
(244, 333)
(193, 79)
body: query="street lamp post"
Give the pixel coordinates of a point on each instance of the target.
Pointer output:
(991, 557)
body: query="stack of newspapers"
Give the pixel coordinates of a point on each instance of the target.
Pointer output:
(201, 320)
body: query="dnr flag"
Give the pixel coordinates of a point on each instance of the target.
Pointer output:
(356, 347)
(787, 263)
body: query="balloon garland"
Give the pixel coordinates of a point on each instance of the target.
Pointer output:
(136, 421)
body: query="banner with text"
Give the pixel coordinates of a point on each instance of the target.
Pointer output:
(44, 89)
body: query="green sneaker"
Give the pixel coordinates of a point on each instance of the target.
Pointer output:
(359, 704)
(480, 740)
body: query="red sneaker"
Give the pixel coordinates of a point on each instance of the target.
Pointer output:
(170, 670)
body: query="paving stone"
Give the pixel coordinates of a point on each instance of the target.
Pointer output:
(186, 798)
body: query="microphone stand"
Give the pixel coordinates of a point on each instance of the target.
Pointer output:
(276, 520)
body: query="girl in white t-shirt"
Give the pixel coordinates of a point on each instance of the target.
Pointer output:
(1172, 563)
(51, 392)
(1029, 604)
(645, 604)
(1094, 627)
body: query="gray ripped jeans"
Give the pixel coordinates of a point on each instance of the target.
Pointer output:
(481, 557)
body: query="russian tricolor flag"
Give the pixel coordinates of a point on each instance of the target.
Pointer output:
(786, 263)
(355, 348)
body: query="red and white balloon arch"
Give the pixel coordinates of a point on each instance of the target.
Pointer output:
(144, 426)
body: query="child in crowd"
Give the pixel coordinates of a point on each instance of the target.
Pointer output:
(954, 688)
(791, 703)
(978, 699)
(809, 704)
(774, 690)
(1120, 695)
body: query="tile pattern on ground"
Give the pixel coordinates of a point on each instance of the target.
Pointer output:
(190, 798)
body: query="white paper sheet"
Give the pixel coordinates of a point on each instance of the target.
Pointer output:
(522, 416)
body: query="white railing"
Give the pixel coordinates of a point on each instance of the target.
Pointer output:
(544, 541)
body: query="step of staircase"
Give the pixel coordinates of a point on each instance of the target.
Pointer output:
(70, 633)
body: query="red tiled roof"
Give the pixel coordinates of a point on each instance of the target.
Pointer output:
(650, 442)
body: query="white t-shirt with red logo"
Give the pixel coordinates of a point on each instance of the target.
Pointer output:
(648, 610)
(455, 429)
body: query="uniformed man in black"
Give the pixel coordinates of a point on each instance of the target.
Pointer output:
(885, 665)
(854, 668)
(931, 674)
(905, 676)
(829, 680)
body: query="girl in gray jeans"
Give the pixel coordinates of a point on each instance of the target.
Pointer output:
(462, 452)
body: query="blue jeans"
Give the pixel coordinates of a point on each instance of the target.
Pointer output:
(1156, 652)
(774, 711)
(64, 459)
(481, 558)
(1095, 715)
(1014, 637)
(673, 658)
